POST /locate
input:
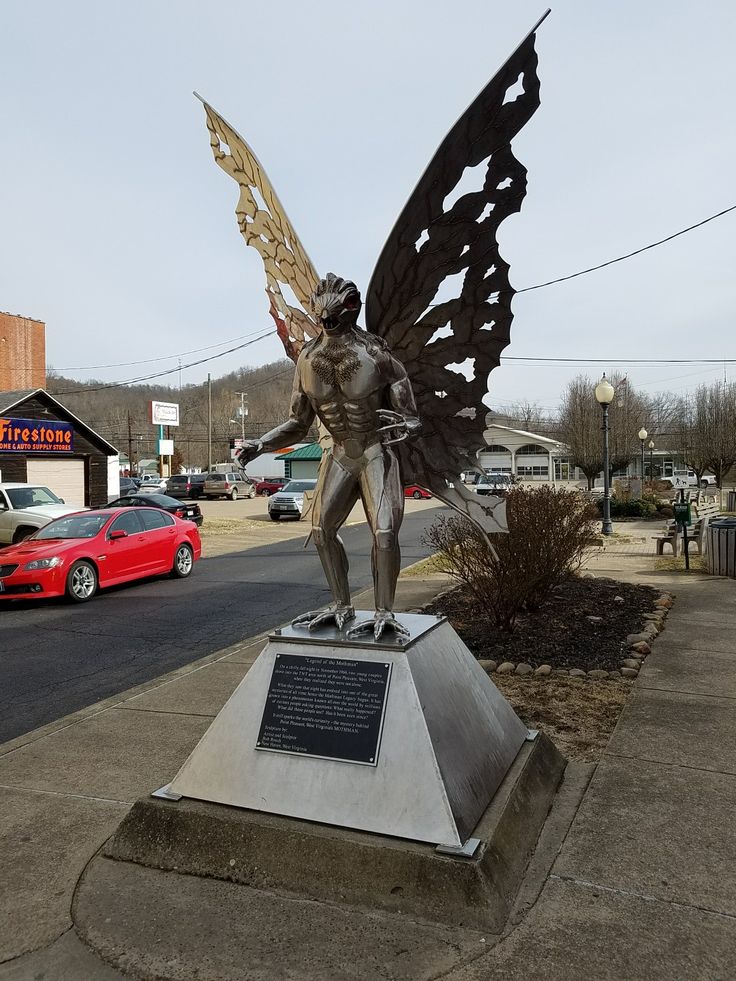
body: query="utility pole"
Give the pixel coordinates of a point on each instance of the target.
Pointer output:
(209, 421)
(130, 447)
(243, 414)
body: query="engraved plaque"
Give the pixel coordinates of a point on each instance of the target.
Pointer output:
(327, 707)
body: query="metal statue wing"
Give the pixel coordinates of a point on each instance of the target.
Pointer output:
(450, 347)
(264, 225)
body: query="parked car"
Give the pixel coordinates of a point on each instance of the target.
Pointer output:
(128, 485)
(682, 479)
(187, 512)
(26, 507)
(289, 501)
(270, 485)
(186, 485)
(230, 484)
(152, 484)
(494, 483)
(78, 554)
(417, 492)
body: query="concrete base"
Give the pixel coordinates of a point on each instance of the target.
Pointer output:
(320, 862)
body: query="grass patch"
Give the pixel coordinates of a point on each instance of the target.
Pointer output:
(671, 563)
(579, 716)
(427, 567)
(225, 526)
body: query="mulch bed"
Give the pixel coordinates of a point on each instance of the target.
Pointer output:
(559, 632)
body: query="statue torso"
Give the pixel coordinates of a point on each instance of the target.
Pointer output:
(346, 384)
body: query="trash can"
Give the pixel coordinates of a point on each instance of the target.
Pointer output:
(721, 551)
(731, 501)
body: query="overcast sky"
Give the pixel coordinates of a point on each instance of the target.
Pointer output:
(118, 230)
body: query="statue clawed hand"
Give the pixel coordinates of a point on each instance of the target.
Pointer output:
(250, 449)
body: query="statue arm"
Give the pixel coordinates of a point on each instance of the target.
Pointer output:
(293, 430)
(401, 421)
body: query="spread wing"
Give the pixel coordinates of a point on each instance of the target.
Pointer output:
(264, 225)
(439, 246)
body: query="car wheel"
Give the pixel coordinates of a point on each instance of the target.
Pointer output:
(417, 495)
(252, 493)
(183, 562)
(234, 494)
(704, 484)
(274, 517)
(265, 493)
(81, 583)
(22, 533)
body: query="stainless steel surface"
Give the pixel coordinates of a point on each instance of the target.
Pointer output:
(360, 386)
(416, 625)
(463, 851)
(165, 794)
(448, 739)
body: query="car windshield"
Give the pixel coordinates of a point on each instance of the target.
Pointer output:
(74, 526)
(299, 486)
(31, 497)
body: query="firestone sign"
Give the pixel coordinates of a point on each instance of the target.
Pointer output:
(35, 436)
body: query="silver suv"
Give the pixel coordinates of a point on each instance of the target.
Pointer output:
(230, 484)
(289, 502)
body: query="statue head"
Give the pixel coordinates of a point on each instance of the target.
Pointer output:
(336, 303)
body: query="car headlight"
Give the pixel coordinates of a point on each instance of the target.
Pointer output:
(42, 564)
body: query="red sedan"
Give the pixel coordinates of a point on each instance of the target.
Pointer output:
(80, 553)
(417, 492)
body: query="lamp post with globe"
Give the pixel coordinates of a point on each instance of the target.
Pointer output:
(642, 436)
(651, 462)
(604, 392)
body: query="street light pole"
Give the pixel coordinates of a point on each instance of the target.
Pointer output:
(651, 462)
(604, 392)
(642, 436)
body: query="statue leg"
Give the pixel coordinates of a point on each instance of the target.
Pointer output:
(336, 493)
(383, 500)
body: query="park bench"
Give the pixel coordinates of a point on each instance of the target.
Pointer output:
(702, 510)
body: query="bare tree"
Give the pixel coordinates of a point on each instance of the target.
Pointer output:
(580, 427)
(709, 430)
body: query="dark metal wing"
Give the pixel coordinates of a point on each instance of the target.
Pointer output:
(450, 347)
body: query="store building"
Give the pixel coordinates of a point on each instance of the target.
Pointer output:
(528, 456)
(303, 462)
(22, 352)
(42, 442)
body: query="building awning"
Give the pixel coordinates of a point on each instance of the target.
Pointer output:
(312, 451)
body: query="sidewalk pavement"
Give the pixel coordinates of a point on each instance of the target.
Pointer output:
(643, 886)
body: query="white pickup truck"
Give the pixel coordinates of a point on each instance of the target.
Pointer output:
(26, 507)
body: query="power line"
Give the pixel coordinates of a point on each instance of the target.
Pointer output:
(169, 371)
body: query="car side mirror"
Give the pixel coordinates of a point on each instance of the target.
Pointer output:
(117, 534)
(62, 501)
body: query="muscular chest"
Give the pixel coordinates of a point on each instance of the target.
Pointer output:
(341, 373)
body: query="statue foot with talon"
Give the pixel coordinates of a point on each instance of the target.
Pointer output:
(337, 613)
(383, 620)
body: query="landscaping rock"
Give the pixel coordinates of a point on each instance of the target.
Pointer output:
(641, 648)
(598, 675)
(524, 668)
(506, 668)
(561, 671)
(618, 599)
(657, 617)
(487, 665)
(543, 670)
(651, 628)
(595, 619)
(664, 602)
(629, 662)
(614, 674)
(629, 672)
(577, 673)
(639, 638)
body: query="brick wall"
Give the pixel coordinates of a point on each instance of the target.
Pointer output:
(22, 353)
